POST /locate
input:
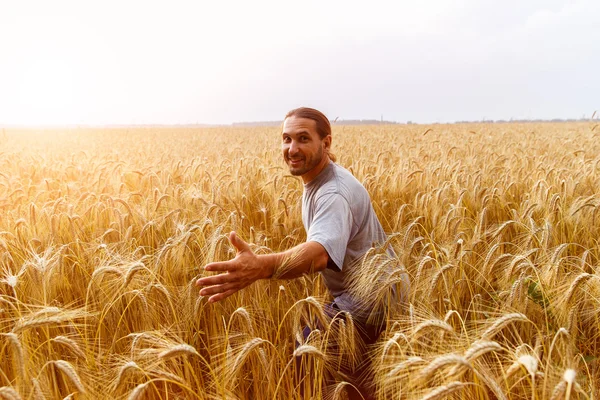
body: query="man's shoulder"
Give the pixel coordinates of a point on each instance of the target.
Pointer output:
(340, 182)
(347, 181)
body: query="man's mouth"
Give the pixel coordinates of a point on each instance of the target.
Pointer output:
(295, 161)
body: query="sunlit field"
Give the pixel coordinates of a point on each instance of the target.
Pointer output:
(103, 233)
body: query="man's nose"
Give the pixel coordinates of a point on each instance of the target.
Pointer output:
(293, 149)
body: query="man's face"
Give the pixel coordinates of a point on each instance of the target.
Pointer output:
(303, 149)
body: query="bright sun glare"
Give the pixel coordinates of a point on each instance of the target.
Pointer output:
(48, 93)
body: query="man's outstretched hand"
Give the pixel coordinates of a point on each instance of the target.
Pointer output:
(239, 272)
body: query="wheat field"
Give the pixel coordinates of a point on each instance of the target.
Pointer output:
(104, 231)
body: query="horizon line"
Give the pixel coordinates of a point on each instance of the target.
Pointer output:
(271, 123)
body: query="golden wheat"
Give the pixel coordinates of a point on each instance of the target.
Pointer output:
(501, 322)
(444, 391)
(104, 231)
(67, 369)
(8, 393)
(177, 350)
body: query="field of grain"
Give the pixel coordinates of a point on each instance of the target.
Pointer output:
(103, 232)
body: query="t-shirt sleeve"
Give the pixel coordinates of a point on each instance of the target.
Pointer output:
(331, 226)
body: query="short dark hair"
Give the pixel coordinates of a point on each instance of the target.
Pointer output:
(322, 122)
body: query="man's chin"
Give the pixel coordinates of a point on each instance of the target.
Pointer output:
(298, 171)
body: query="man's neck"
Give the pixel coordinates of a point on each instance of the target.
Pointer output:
(313, 173)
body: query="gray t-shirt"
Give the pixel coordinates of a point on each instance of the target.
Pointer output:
(337, 213)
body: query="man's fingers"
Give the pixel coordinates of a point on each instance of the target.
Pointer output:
(218, 288)
(224, 285)
(220, 266)
(238, 243)
(221, 296)
(216, 280)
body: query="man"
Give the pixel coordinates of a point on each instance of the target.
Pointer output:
(339, 219)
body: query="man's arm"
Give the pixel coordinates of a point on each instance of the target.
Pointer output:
(247, 267)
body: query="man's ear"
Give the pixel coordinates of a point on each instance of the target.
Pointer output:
(327, 142)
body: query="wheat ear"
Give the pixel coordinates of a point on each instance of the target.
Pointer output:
(138, 392)
(8, 393)
(70, 372)
(502, 322)
(441, 361)
(131, 271)
(481, 347)
(131, 365)
(70, 344)
(308, 349)
(580, 280)
(242, 312)
(243, 354)
(409, 362)
(442, 392)
(37, 390)
(178, 350)
(432, 324)
(18, 353)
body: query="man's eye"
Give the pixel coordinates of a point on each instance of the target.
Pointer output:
(286, 140)
(304, 138)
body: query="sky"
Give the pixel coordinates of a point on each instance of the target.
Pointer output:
(219, 62)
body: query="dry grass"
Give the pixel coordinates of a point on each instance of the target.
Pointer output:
(103, 231)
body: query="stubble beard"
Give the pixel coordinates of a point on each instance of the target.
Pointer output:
(312, 163)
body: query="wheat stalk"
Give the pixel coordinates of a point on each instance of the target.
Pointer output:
(442, 392)
(132, 271)
(308, 349)
(393, 341)
(178, 350)
(338, 391)
(580, 280)
(432, 324)
(36, 323)
(437, 276)
(8, 393)
(559, 391)
(527, 361)
(501, 322)
(18, 352)
(70, 344)
(66, 368)
(440, 362)
(106, 270)
(243, 354)
(569, 377)
(245, 315)
(481, 347)
(408, 363)
(125, 368)
(139, 294)
(138, 392)
(37, 390)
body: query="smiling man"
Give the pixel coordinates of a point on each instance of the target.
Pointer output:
(338, 216)
(339, 219)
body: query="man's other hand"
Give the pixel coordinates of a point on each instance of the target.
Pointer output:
(239, 272)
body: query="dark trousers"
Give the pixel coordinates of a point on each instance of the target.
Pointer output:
(357, 373)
